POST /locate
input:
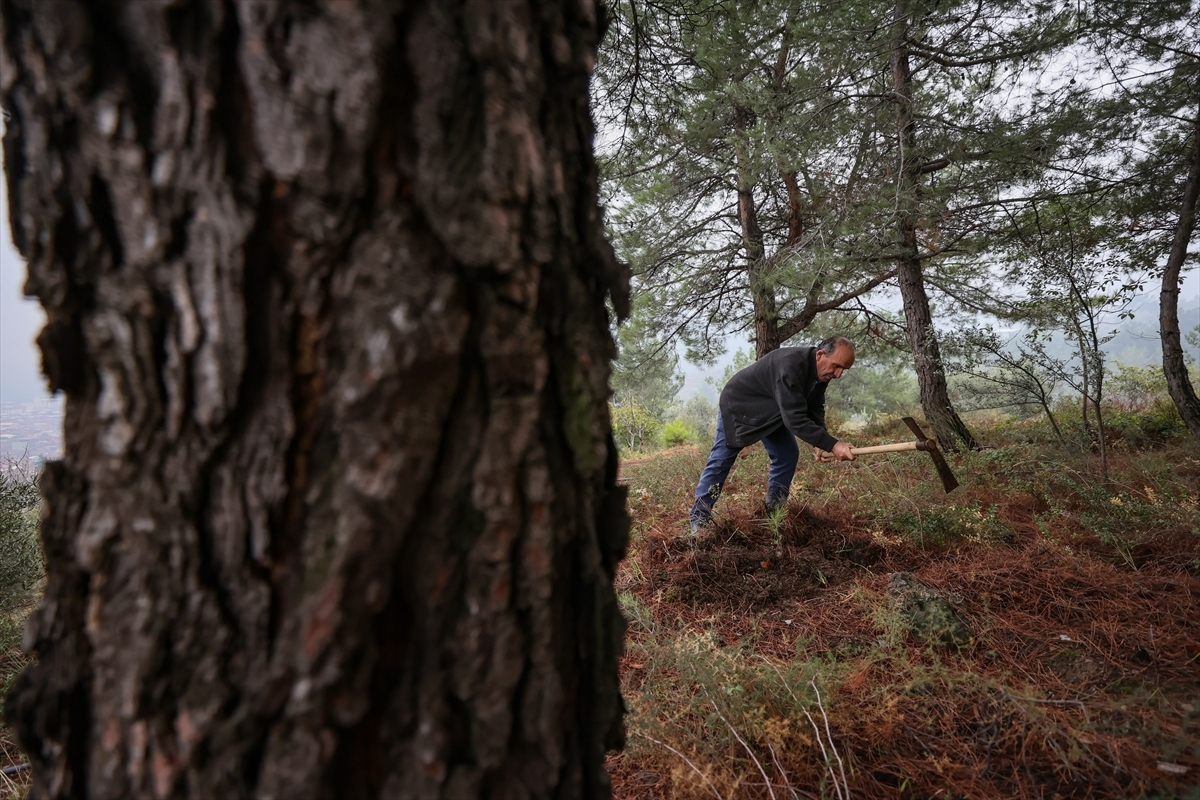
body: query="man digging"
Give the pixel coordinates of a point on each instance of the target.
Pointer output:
(775, 400)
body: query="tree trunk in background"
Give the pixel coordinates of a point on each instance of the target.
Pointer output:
(935, 396)
(762, 289)
(1178, 383)
(337, 513)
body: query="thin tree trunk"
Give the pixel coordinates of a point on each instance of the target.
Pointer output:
(762, 287)
(337, 514)
(935, 395)
(796, 210)
(1103, 441)
(1087, 383)
(1178, 382)
(1053, 422)
(1091, 356)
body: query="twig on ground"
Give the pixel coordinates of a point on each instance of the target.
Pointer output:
(825, 755)
(838, 788)
(832, 746)
(686, 760)
(782, 772)
(737, 736)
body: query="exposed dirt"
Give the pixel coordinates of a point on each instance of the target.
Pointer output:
(756, 570)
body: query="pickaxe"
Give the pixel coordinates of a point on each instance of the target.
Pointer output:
(922, 443)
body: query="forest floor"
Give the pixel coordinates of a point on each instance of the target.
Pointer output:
(764, 658)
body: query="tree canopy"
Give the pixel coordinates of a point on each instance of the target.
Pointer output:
(769, 165)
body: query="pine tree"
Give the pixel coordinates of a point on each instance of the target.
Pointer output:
(1148, 50)
(733, 175)
(780, 161)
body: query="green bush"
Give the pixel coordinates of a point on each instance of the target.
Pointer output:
(677, 432)
(1137, 389)
(634, 427)
(941, 525)
(869, 392)
(699, 414)
(1160, 422)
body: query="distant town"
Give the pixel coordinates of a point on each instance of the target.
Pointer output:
(31, 430)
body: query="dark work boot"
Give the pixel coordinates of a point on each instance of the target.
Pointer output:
(700, 515)
(775, 499)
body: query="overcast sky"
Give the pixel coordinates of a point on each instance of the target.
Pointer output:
(20, 321)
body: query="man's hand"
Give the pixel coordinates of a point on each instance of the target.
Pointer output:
(841, 451)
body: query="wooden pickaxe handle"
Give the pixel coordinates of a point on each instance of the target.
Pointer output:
(949, 482)
(889, 448)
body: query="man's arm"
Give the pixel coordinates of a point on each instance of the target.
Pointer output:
(816, 404)
(798, 415)
(816, 410)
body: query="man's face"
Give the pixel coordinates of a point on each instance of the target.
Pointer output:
(832, 365)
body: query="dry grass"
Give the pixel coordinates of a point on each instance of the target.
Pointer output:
(1083, 679)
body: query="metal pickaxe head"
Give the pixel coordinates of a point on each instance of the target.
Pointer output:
(949, 482)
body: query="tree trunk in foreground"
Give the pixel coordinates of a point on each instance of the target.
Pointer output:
(948, 427)
(1174, 366)
(337, 513)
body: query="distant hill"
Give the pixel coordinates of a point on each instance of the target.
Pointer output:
(1137, 342)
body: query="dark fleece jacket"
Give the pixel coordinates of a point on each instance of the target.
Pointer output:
(781, 388)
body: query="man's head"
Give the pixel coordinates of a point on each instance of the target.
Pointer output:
(835, 355)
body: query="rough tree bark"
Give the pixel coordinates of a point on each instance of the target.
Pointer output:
(1174, 366)
(337, 513)
(935, 395)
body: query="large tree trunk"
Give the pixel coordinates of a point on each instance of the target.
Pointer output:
(337, 513)
(935, 396)
(1178, 383)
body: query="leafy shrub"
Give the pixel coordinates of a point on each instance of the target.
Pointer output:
(1141, 411)
(1160, 423)
(634, 427)
(1137, 389)
(869, 392)
(700, 415)
(940, 525)
(677, 432)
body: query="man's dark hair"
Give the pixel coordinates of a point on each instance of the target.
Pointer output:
(831, 343)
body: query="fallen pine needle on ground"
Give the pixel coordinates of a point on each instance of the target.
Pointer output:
(766, 659)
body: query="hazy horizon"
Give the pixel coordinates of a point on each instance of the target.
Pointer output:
(20, 319)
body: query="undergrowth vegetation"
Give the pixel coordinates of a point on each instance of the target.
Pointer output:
(21, 575)
(766, 658)
(21, 564)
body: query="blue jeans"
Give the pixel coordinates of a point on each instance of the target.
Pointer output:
(781, 447)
